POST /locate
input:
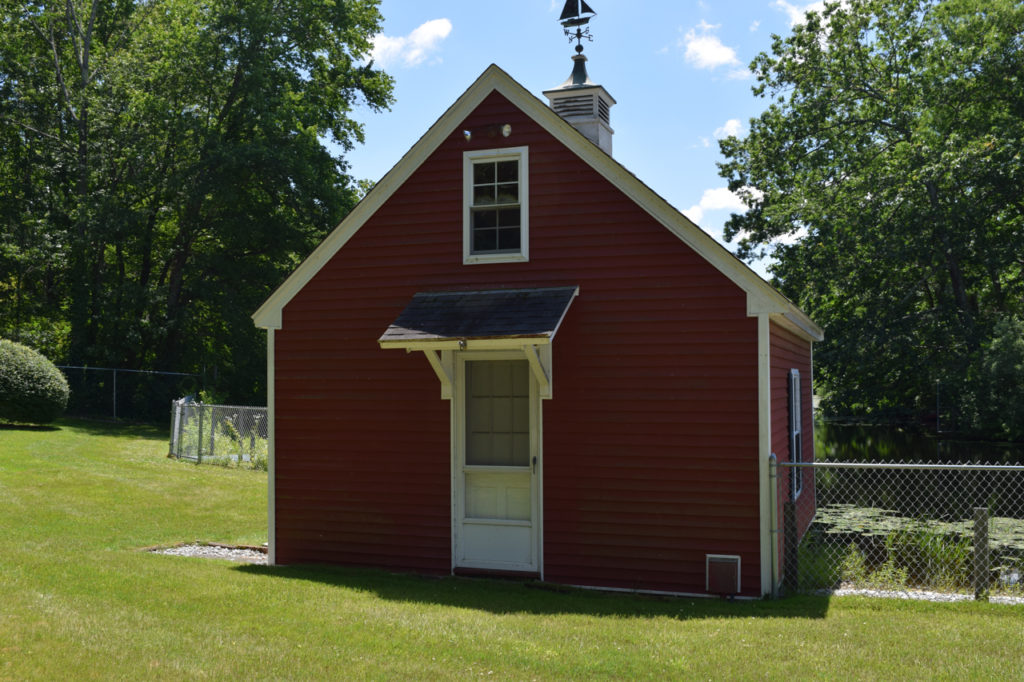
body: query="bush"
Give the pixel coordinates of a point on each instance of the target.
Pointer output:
(32, 390)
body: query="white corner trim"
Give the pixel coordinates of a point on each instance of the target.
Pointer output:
(269, 314)
(764, 448)
(271, 455)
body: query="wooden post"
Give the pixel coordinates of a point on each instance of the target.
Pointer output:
(982, 569)
(790, 568)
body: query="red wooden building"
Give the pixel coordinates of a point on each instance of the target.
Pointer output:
(514, 357)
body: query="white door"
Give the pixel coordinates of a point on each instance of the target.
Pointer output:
(496, 482)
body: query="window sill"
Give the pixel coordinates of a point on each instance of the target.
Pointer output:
(483, 259)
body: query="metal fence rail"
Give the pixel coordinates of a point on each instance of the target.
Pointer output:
(109, 392)
(950, 528)
(220, 434)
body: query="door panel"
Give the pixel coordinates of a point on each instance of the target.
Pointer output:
(509, 548)
(496, 511)
(504, 495)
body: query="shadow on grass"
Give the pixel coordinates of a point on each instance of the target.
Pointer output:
(108, 428)
(41, 428)
(500, 596)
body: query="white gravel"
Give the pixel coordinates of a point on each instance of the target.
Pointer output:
(246, 555)
(921, 595)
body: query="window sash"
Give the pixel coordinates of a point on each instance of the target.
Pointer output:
(795, 432)
(495, 204)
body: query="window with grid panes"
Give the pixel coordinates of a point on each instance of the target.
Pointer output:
(496, 211)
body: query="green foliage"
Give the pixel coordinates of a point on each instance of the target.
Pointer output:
(32, 390)
(870, 548)
(887, 178)
(163, 167)
(995, 394)
(931, 558)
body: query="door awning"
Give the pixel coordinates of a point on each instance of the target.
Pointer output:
(480, 320)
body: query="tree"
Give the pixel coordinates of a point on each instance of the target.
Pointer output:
(886, 176)
(164, 166)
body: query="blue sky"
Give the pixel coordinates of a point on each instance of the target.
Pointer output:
(678, 70)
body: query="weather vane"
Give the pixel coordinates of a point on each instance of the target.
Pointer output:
(575, 23)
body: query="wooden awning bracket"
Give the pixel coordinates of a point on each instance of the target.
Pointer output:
(540, 363)
(444, 368)
(539, 357)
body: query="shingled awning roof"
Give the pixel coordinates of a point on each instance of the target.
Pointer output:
(458, 319)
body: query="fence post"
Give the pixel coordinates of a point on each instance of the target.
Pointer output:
(175, 418)
(213, 431)
(791, 568)
(982, 569)
(199, 439)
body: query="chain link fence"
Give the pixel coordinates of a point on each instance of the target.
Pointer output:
(131, 394)
(219, 434)
(956, 529)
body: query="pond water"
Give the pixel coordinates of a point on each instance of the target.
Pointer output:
(869, 443)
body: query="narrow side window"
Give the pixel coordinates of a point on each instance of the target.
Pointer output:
(796, 453)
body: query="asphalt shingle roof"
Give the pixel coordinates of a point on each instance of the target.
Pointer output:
(501, 313)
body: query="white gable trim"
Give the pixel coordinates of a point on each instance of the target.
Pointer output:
(268, 315)
(761, 297)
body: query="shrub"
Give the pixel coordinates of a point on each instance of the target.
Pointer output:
(32, 390)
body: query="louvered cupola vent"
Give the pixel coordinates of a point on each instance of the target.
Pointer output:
(584, 105)
(574, 106)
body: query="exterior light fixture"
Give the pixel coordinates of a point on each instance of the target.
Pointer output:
(506, 130)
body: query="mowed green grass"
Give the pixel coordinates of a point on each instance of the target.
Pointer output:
(79, 600)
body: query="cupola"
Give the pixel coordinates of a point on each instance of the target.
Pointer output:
(582, 103)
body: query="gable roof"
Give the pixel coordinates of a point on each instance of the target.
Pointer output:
(762, 298)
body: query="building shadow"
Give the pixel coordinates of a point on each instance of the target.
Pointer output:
(507, 597)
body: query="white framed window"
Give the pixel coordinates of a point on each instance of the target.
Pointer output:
(496, 210)
(796, 436)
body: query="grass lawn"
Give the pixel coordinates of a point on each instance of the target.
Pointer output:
(79, 600)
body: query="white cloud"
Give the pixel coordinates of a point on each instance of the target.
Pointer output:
(754, 26)
(413, 49)
(717, 199)
(798, 13)
(704, 50)
(732, 128)
(793, 237)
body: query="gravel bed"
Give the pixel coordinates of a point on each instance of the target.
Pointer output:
(248, 555)
(920, 595)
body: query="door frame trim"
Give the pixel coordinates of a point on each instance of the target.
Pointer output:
(458, 445)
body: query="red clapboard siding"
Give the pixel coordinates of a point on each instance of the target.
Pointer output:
(650, 441)
(790, 352)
